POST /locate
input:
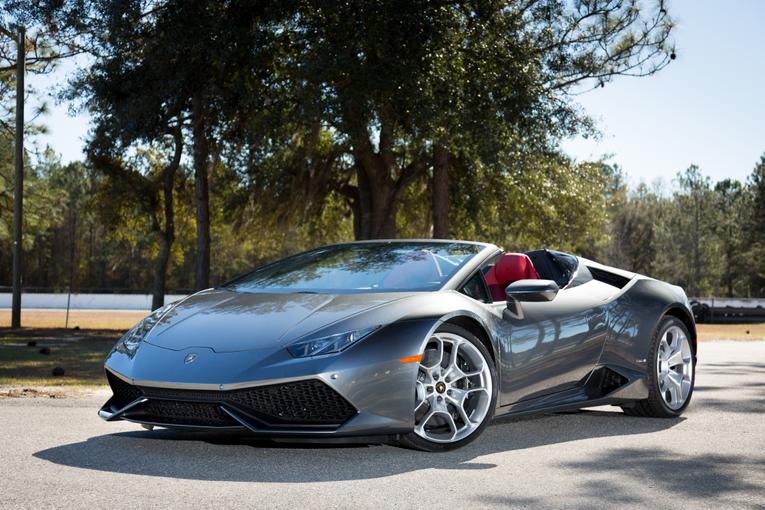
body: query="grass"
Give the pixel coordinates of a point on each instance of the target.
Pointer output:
(81, 353)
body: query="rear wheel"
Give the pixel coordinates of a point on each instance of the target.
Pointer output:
(671, 372)
(455, 391)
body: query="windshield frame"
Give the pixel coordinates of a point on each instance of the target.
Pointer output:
(463, 268)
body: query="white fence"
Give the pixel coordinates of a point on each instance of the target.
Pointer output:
(85, 301)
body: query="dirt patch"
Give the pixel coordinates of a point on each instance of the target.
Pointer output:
(50, 392)
(78, 319)
(739, 332)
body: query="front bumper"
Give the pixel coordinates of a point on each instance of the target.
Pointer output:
(364, 391)
(308, 405)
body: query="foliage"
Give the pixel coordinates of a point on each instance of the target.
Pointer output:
(319, 121)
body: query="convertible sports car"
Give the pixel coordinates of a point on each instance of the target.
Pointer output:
(422, 341)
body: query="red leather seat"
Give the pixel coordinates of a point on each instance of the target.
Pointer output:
(509, 268)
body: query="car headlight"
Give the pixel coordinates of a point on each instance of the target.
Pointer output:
(130, 341)
(328, 344)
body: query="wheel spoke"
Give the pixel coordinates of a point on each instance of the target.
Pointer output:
(453, 355)
(422, 403)
(674, 392)
(440, 344)
(420, 428)
(664, 348)
(675, 381)
(675, 359)
(457, 399)
(454, 374)
(450, 422)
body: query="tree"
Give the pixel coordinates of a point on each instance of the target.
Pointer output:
(695, 224)
(756, 228)
(635, 220)
(133, 107)
(406, 82)
(204, 60)
(731, 201)
(17, 34)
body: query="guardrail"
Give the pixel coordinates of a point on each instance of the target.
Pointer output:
(81, 301)
(719, 310)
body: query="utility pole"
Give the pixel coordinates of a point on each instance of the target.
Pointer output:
(18, 189)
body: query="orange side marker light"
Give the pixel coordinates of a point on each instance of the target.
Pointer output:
(412, 359)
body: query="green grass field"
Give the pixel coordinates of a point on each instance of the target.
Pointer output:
(81, 353)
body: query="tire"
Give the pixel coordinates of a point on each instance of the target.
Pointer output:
(451, 408)
(662, 375)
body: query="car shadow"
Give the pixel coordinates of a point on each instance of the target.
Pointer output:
(236, 457)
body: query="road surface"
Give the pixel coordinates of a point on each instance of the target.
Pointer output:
(57, 453)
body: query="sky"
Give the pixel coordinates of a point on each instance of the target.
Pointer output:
(706, 108)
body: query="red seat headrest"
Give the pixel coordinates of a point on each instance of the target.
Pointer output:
(514, 266)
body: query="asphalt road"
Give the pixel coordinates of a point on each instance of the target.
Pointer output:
(57, 453)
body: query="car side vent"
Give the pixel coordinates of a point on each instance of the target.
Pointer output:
(608, 277)
(603, 381)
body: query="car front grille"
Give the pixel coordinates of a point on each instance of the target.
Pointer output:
(308, 403)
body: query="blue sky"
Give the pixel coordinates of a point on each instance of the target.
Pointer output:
(707, 107)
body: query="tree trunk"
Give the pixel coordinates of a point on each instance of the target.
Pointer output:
(167, 235)
(381, 178)
(201, 164)
(440, 190)
(378, 202)
(696, 247)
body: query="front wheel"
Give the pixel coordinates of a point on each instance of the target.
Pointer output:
(671, 372)
(455, 391)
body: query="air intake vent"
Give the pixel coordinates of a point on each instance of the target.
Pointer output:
(603, 381)
(170, 412)
(124, 393)
(608, 277)
(308, 403)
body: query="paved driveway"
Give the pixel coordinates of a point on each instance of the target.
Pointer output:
(57, 453)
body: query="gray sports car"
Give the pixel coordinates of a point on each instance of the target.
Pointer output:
(421, 341)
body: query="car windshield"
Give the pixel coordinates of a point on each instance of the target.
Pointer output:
(363, 267)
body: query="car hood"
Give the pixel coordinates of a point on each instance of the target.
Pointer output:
(228, 321)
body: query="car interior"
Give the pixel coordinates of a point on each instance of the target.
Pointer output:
(511, 267)
(423, 268)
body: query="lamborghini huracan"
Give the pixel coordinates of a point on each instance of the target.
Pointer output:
(419, 341)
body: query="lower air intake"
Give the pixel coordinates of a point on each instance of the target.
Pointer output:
(199, 414)
(308, 403)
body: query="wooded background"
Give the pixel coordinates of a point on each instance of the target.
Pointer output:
(230, 133)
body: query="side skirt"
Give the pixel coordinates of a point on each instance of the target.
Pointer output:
(605, 385)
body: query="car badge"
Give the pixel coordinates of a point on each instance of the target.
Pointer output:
(190, 357)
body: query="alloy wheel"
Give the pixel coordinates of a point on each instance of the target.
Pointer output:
(674, 366)
(453, 391)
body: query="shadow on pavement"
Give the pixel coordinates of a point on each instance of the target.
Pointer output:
(204, 456)
(635, 474)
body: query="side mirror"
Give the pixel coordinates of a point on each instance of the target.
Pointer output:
(531, 290)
